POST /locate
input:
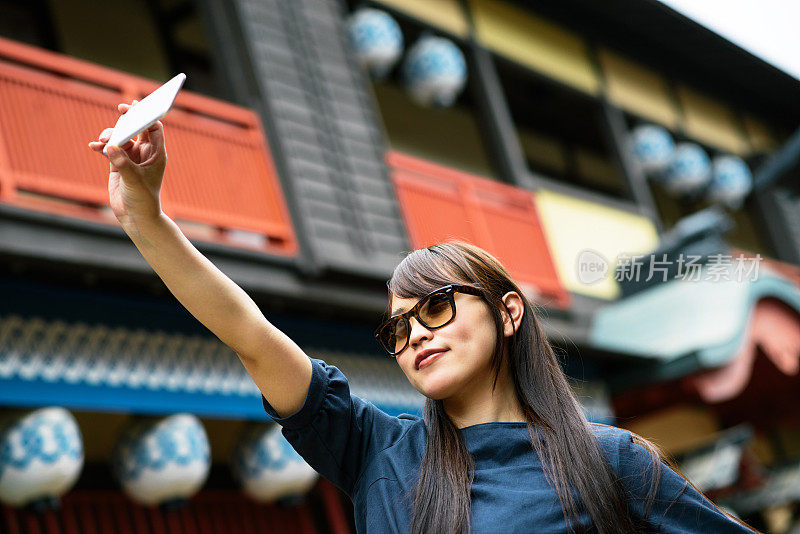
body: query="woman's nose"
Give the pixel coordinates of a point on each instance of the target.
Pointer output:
(418, 332)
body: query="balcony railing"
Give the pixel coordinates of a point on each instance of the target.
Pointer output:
(220, 176)
(211, 511)
(439, 203)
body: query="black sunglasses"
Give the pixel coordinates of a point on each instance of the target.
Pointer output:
(434, 310)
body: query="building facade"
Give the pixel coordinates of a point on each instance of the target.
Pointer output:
(602, 154)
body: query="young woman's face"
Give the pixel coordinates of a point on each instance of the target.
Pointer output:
(466, 345)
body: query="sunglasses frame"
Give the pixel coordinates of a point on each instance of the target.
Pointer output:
(448, 290)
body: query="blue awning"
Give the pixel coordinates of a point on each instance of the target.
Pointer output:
(94, 351)
(93, 367)
(90, 350)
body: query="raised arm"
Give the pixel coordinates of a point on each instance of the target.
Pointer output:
(280, 369)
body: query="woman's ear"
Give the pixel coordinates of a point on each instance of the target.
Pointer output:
(512, 313)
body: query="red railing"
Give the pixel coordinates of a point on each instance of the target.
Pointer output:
(209, 512)
(220, 173)
(440, 203)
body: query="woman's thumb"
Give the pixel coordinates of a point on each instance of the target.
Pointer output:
(117, 157)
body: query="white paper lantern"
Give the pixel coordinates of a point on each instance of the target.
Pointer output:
(41, 456)
(267, 466)
(435, 71)
(162, 461)
(688, 171)
(652, 147)
(731, 181)
(376, 40)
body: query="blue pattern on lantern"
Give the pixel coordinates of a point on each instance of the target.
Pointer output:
(376, 40)
(263, 451)
(145, 447)
(731, 181)
(653, 147)
(435, 71)
(688, 171)
(30, 435)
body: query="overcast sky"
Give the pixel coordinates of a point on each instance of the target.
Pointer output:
(766, 28)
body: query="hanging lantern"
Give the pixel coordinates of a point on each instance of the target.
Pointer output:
(435, 71)
(267, 466)
(731, 181)
(41, 456)
(376, 40)
(689, 170)
(165, 461)
(652, 146)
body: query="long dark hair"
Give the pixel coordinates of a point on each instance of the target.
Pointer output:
(558, 429)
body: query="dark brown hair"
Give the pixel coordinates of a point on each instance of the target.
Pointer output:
(558, 429)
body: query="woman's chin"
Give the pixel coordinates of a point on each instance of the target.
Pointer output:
(436, 387)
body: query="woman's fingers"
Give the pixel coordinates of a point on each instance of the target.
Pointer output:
(98, 146)
(123, 107)
(156, 130)
(153, 134)
(119, 160)
(103, 139)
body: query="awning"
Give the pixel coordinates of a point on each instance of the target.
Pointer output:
(96, 351)
(101, 368)
(710, 322)
(98, 367)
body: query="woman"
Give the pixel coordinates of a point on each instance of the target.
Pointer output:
(503, 445)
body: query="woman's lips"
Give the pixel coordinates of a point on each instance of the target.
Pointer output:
(430, 359)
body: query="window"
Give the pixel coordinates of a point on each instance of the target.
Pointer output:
(748, 233)
(449, 136)
(27, 22)
(187, 45)
(561, 131)
(158, 39)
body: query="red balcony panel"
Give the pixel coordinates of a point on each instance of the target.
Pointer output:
(220, 173)
(432, 208)
(440, 203)
(44, 119)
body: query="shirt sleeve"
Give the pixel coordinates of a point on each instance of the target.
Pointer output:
(678, 506)
(335, 431)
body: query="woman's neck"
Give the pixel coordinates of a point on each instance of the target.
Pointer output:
(480, 404)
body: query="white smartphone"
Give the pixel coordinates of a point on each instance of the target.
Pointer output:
(146, 112)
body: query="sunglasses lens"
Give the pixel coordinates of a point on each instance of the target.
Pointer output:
(437, 310)
(393, 335)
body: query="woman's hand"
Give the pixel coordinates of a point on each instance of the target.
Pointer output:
(136, 172)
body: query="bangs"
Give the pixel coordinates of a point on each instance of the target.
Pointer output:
(423, 271)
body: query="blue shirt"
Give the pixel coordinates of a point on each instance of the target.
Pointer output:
(373, 458)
